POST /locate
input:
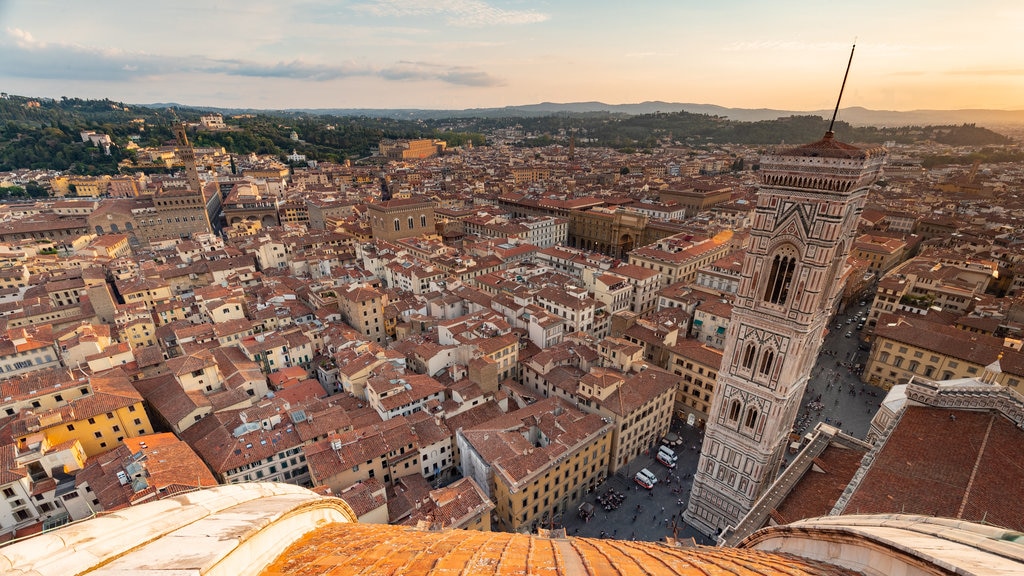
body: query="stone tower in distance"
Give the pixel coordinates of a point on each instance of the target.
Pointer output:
(809, 200)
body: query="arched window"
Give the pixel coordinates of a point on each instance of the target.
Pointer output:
(748, 356)
(766, 362)
(423, 221)
(398, 225)
(734, 410)
(410, 222)
(781, 277)
(751, 418)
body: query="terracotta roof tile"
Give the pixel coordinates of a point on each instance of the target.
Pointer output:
(966, 468)
(382, 550)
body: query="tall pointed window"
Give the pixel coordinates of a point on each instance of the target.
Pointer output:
(734, 410)
(766, 362)
(751, 418)
(748, 356)
(780, 276)
(780, 279)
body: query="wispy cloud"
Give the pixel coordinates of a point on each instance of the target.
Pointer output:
(982, 72)
(459, 75)
(781, 45)
(470, 13)
(27, 58)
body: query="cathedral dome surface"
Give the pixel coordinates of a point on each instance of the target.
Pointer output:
(381, 550)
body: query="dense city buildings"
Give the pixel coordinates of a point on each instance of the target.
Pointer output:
(497, 337)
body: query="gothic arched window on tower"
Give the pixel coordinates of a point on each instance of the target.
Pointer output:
(398, 225)
(780, 278)
(748, 356)
(734, 410)
(767, 359)
(751, 418)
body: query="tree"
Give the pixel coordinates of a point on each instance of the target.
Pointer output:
(36, 190)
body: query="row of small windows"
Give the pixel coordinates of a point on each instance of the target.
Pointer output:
(410, 221)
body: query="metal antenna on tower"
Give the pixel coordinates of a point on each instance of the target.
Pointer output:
(841, 88)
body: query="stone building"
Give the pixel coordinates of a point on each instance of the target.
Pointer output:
(394, 219)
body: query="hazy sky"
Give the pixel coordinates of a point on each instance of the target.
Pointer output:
(486, 53)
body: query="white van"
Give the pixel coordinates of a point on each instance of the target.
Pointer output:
(666, 456)
(645, 478)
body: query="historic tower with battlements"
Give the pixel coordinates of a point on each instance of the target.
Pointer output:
(808, 204)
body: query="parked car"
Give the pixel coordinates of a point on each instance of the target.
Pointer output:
(645, 478)
(848, 334)
(666, 456)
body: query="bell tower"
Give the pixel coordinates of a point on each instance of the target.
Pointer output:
(188, 157)
(809, 200)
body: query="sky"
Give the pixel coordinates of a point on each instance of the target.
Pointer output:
(456, 54)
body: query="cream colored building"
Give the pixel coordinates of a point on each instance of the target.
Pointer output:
(554, 456)
(697, 365)
(907, 345)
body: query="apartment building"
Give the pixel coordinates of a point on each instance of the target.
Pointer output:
(697, 364)
(99, 413)
(880, 252)
(906, 345)
(362, 307)
(928, 281)
(645, 283)
(537, 462)
(679, 257)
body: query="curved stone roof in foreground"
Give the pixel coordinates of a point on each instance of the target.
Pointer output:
(277, 529)
(382, 550)
(227, 530)
(898, 544)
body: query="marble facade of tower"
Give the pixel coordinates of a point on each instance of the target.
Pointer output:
(808, 204)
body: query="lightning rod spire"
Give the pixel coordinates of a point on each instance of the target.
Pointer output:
(841, 88)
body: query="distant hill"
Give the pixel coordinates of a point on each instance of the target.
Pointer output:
(854, 115)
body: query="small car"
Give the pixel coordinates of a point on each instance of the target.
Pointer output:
(848, 334)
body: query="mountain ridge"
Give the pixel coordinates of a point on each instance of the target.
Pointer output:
(854, 115)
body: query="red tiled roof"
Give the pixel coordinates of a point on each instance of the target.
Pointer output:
(384, 550)
(967, 468)
(819, 489)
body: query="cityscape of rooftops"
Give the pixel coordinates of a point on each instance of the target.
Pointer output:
(671, 273)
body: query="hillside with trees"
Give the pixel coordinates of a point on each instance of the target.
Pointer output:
(44, 133)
